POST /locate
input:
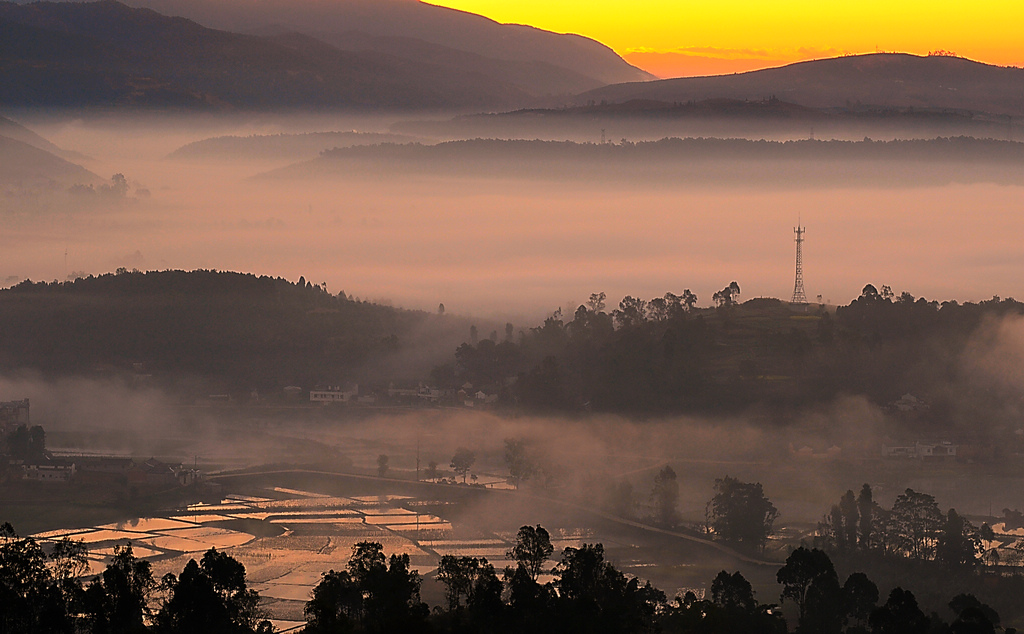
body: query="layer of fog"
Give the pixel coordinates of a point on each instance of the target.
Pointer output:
(503, 248)
(805, 463)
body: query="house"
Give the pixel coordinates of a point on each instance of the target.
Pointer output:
(944, 450)
(937, 451)
(49, 470)
(899, 451)
(153, 472)
(103, 469)
(333, 394)
(105, 464)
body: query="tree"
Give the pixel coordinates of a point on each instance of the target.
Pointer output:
(848, 509)
(866, 510)
(823, 613)
(899, 615)
(464, 578)
(128, 581)
(532, 549)
(860, 597)
(390, 590)
(733, 592)
(27, 443)
(726, 298)
(959, 543)
(336, 605)
(596, 302)
(914, 524)
(972, 616)
(440, 309)
(803, 569)
(30, 599)
(432, 473)
(462, 462)
(595, 597)
(520, 467)
(689, 300)
(382, 465)
(741, 513)
(631, 312)
(69, 559)
(665, 496)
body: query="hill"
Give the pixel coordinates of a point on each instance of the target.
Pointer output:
(279, 146)
(771, 118)
(29, 167)
(413, 20)
(14, 130)
(230, 331)
(894, 80)
(108, 54)
(737, 162)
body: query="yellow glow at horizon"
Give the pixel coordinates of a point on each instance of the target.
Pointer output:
(986, 30)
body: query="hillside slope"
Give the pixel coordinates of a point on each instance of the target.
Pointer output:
(107, 54)
(237, 330)
(895, 80)
(410, 19)
(28, 166)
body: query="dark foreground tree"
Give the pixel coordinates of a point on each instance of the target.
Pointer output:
(732, 608)
(211, 597)
(30, 597)
(336, 606)
(899, 615)
(118, 601)
(532, 549)
(809, 580)
(593, 596)
(473, 592)
(959, 542)
(377, 594)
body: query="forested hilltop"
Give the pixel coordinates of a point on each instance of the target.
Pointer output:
(231, 331)
(667, 355)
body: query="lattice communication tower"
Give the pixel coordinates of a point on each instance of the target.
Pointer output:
(799, 296)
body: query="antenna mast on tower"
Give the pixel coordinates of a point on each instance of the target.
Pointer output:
(799, 296)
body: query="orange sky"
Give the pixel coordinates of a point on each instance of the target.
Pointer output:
(672, 38)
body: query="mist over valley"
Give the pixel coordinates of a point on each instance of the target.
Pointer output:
(383, 316)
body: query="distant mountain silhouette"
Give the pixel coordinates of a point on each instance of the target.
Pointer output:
(279, 146)
(895, 80)
(700, 161)
(772, 118)
(27, 166)
(432, 24)
(107, 54)
(14, 130)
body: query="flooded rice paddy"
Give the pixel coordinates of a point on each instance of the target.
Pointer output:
(288, 537)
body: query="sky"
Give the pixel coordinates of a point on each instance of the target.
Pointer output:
(675, 38)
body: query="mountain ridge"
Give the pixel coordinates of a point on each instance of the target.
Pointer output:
(434, 24)
(108, 54)
(877, 79)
